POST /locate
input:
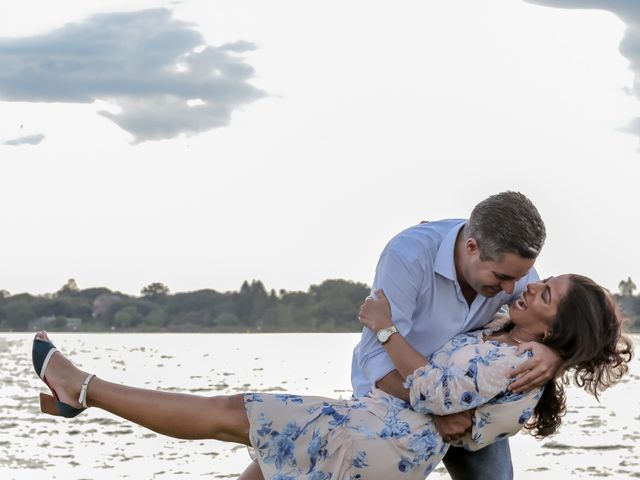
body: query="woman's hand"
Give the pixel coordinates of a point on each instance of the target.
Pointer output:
(538, 370)
(375, 313)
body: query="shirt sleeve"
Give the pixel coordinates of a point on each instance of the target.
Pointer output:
(503, 416)
(467, 378)
(401, 281)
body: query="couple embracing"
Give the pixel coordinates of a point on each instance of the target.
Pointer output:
(439, 373)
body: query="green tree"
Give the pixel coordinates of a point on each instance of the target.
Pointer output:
(627, 287)
(251, 302)
(200, 299)
(19, 314)
(227, 320)
(59, 323)
(71, 285)
(334, 289)
(154, 290)
(59, 307)
(127, 317)
(156, 318)
(296, 299)
(243, 302)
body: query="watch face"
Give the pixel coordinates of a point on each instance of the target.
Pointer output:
(383, 335)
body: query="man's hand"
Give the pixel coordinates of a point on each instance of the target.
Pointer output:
(538, 370)
(452, 427)
(375, 312)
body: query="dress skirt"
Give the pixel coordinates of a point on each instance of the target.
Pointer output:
(316, 438)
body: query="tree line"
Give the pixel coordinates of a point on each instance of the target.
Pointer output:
(629, 303)
(331, 306)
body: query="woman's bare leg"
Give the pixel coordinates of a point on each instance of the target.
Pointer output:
(173, 414)
(252, 472)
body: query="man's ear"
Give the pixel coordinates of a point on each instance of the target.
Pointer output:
(471, 246)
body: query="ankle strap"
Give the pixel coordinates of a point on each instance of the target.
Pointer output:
(82, 399)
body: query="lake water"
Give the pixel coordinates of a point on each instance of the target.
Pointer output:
(597, 440)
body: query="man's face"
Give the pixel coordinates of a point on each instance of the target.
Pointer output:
(489, 278)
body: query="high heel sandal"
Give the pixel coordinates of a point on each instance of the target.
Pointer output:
(41, 354)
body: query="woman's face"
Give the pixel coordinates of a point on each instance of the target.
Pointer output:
(537, 307)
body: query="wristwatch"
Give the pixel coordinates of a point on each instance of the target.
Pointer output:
(385, 333)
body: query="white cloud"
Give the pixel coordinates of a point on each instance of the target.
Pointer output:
(146, 63)
(628, 12)
(26, 140)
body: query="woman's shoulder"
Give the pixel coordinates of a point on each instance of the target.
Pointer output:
(473, 348)
(500, 321)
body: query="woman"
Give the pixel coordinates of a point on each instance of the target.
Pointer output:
(379, 436)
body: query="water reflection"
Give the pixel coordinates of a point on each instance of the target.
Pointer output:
(597, 439)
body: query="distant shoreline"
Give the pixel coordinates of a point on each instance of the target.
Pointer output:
(212, 330)
(329, 307)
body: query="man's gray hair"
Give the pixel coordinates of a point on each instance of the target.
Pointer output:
(506, 223)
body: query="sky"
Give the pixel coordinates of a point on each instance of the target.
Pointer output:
(203, 143)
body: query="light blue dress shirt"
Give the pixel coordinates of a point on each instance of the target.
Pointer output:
(417, 273)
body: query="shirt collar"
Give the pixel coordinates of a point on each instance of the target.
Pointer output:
(444, 263)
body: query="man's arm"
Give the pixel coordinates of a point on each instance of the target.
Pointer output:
(401, 281)
(375, 314)
(391, 383)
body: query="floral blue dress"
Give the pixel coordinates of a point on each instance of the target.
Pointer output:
(382, 437)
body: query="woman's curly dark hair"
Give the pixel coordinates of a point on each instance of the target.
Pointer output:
(587, 334)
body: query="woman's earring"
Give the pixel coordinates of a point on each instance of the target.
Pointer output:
(546, 335)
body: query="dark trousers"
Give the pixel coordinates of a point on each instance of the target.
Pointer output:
(492, 462)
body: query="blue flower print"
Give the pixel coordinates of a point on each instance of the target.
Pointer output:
(394, 428)
(292, 430)
(405, 465)
(338, 419)
(317, 449)
(525, 416)
(346, 438)
(423, 442)
(285, 397)
(360, 461)
(317, 446)
(265, 426)
(252, 397)
(394, 403)
(358, 405)
(468, 398)
(482, 419)
(281, 447)
(472, 372)
(507, 396)
(284, 451)
(319, 476)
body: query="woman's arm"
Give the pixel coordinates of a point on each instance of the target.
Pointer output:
(500, 418)
(375, 314)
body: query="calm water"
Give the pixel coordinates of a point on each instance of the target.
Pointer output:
(597, 440)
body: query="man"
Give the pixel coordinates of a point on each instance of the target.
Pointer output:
(451, 276)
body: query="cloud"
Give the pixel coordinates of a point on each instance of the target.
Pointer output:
(150, 65)
(629, 12)
(26, 140)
